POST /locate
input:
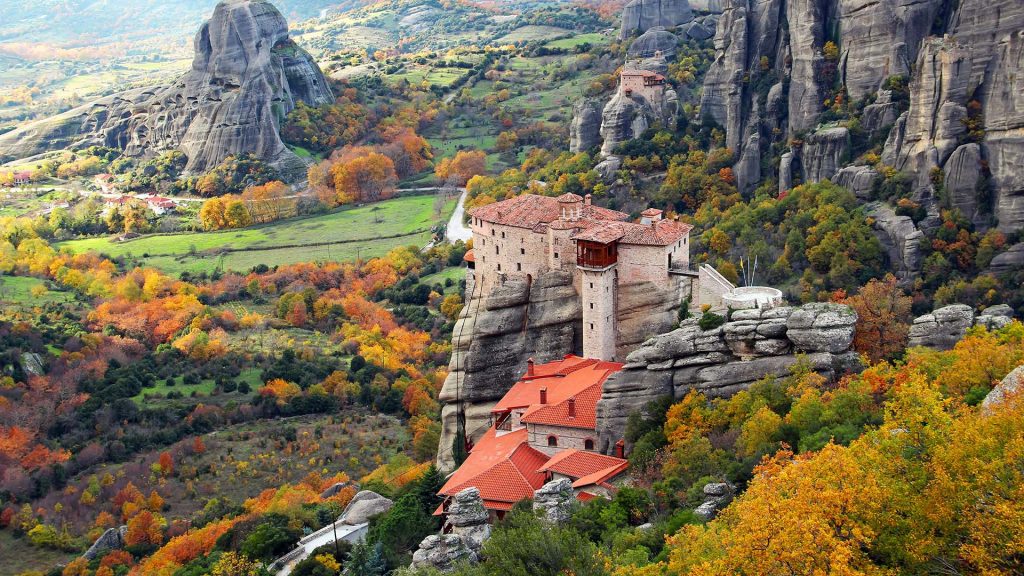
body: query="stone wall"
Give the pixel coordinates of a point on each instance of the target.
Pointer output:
(727, 359)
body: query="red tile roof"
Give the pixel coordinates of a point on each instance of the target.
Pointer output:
(556, 412)
(660, 233)
(530, 210)
(578, 464)
(569, 198)
(572, 377)
(504, 469)
(651, 212)
(469, 257)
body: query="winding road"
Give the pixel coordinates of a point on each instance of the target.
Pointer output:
(456, 229)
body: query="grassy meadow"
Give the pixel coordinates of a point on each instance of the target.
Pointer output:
(364, 232)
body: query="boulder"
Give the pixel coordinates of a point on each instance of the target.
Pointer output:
(467, 508)
(857, 179)
(654, 42)
(365, 505)
(639, 16)
(333, 489)
(247, 74)
(585, 130)
(1012, 386)
(900, 238)
(442, 552)
(111, 539)
(717, 495)
(555, 500)
(1010, 260)
(822, 327)
(943, 328)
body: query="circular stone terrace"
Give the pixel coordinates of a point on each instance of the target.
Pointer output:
(752, 297)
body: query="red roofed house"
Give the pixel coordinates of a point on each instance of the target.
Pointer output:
(529, 235)
(22, 178)
(543, 429)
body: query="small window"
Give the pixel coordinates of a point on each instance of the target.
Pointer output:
(588, 444)
(497, 249)
(552, 441)
(492, 231)
(591, 324)
(502, 234)
(522, 251)
(591, 305)
(591, 285)
(519, 266)
(556, 254)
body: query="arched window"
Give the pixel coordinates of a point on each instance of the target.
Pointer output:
(553, 441)
(588, 444)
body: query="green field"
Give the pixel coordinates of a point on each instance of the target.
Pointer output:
(574, 41)
(203, 389)
(455, 273)
(18, 290)
(366, 231)
(530, 33)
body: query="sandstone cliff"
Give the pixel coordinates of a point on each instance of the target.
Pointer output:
(638, 16)
(497, 333)
(771, 80)
(246, 76)
(727, 359)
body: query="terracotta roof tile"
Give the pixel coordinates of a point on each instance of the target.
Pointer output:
(530, 210)
(504, 468)
(579, 463)
(660, 233)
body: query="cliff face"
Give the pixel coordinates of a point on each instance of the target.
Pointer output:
(727, 359)
(497, 333)
(246, 76)
(959, 123)
(640, 16)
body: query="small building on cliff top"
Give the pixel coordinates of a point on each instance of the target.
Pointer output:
(529, 235)
(543, 429)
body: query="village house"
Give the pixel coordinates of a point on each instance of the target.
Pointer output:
(530, 234)
(543, 429)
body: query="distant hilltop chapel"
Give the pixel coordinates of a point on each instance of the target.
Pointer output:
(529, 235)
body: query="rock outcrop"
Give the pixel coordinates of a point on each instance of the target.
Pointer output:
(639, 16)
(585, 130)
(1009, 261)
(654, 42)
(727, 359)
(555, 500)
(365, 505)
(627, 116)
(717, 495)
(857, 179)
(468, 518)
(824, 153)
(246, 76)
(1011, 386)
(494, 337)
(946, 326)
(112, 539)
(442, 552)
(962, 177)
(900, 238)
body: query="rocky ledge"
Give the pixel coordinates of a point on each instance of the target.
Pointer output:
(944, 327)
(722, 361)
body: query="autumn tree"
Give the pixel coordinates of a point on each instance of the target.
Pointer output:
(463, 166)
(883, 319)
(368, 178)
(144, 528)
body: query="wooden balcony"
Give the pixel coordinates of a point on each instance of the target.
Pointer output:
(594, 255)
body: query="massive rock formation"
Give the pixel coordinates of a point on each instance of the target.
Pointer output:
(625, 117)
(585, 130)
(900, 238)
(727, 359)
(246, 76)
(640, 16)
(656, 41)
(497, 333)
(770, 81)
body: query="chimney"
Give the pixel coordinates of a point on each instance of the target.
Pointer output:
(572, 407)
(620, 449)
(588, 199)
(529, 367)
(543, 395)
